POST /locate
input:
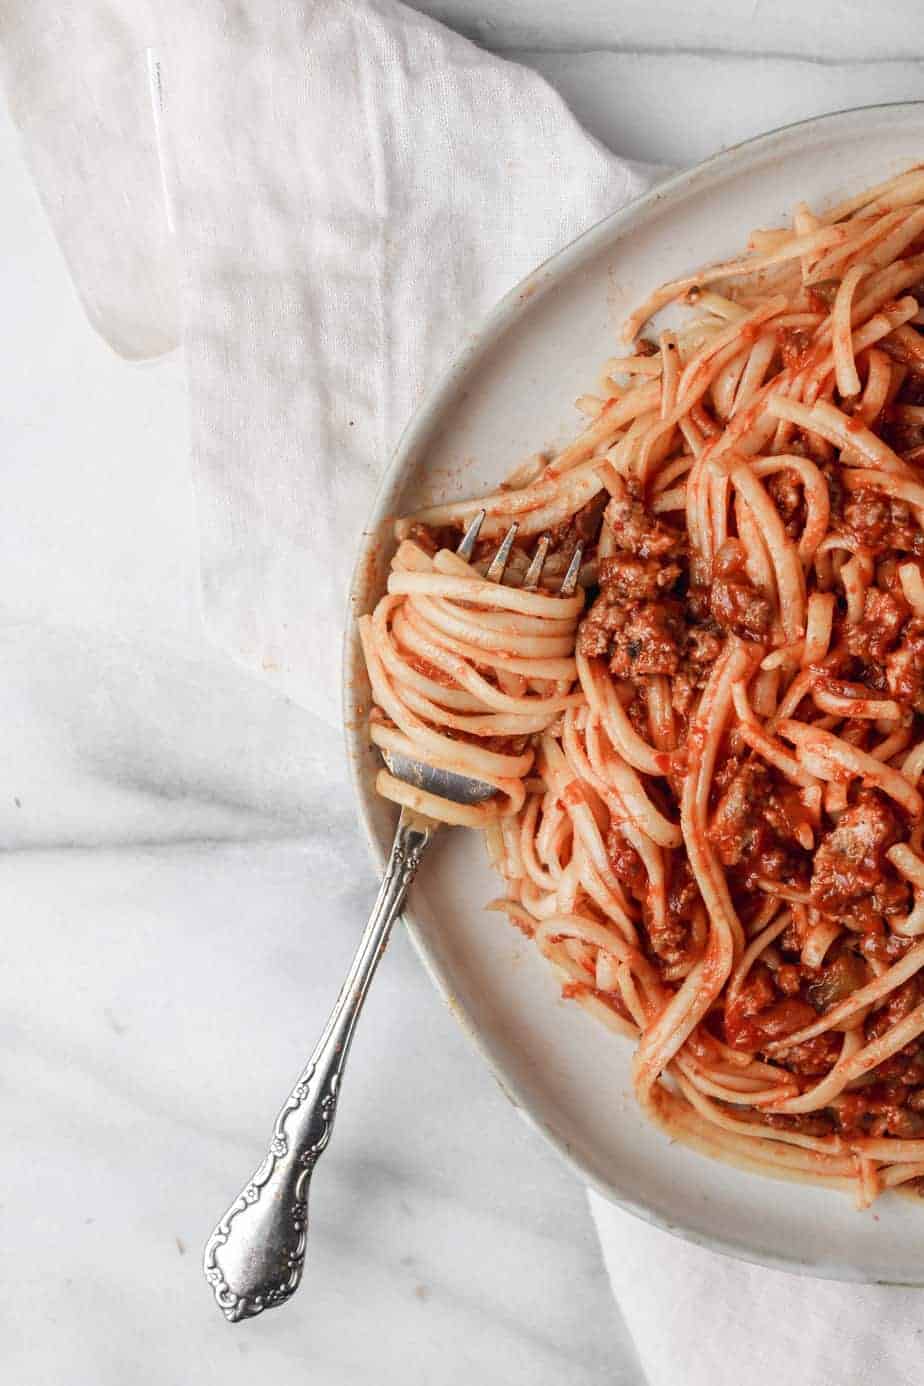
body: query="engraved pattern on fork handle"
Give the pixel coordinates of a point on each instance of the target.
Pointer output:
(255, 1256)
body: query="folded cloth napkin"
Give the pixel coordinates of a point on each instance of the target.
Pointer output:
(321, 198)
(352, 187)
(700, 1318)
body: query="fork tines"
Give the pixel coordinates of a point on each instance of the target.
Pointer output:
(570, 580)
(499, 562)
(534, 572)
(470, 537)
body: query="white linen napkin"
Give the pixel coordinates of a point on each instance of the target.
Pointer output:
(350, 187)
(354, 187)
(701, 1319)
(76, 83)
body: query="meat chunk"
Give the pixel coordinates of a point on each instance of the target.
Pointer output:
(884, 614)
(786, 494)
(701, 650)
(888, 1106)
(636, 579)
(739, 823)
(884, 949)
(867, 515)
(905, 667)
(879, 522)
(900, 1122)
(599, 628)
(638, 637)
(730, 560)
(755, 825)
(900, 1003)
(757, 1015)
(650, 641)
(670, 937)
(639, 532)
(735, 603)
(635, 621)
(813, 1057)
(668, 932)
(851, 878)
(738, 606)
(626, 863)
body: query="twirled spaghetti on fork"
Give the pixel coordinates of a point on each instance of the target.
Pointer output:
(706, 764)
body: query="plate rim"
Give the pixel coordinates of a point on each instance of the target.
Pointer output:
(440, 395)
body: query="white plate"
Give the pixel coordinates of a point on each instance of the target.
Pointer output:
(509, 394)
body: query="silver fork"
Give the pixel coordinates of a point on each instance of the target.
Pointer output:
(255, 1256)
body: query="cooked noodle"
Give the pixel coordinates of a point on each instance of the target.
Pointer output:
(706, 764)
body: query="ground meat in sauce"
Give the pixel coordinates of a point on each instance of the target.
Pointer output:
(900, 1003)
(815, 1056)
(737, 606)
(638, 622)
(639, 532)
(872, 637)
(851, 879)
(786, 493)
(626, 864)
(884, 949)
(627, 578)
(890, 1100)
(648, 620)
(669, 935)
(735, 603)
(635, 623)
(702, 648)
(774, 1004)
(647, 639)
(639, 636)
(737, 822)
(754, 825)
(756, 1015)
(879, 522)
(904, 667)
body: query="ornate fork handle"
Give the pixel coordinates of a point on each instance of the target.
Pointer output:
(254, 1258)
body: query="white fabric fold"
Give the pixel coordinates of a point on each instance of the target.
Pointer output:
(702, 1319)
(354, 187)
(77, 80)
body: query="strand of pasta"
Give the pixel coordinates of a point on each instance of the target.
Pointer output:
(776, 389)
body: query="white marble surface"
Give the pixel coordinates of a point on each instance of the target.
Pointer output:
(176, 920)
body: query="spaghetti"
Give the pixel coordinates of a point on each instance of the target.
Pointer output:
(706, 764)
